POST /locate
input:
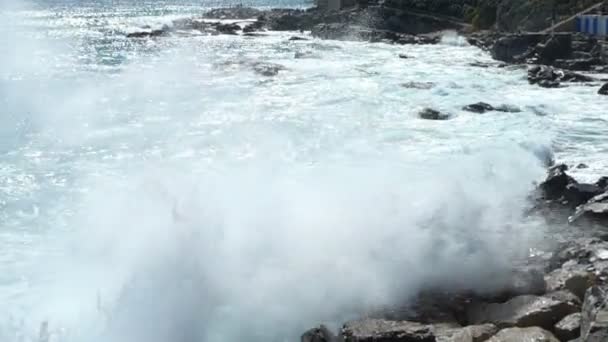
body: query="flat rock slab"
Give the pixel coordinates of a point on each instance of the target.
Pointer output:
(378, 330)
(525, 311)
(533, 334)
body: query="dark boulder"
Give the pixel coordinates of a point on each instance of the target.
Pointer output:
(227, 28)
(296, 38)
(150, 33)
(480, 107)
(556, 182)
(376, 330)
(548, 77)
(540, 73)
(255, 26)
(403, 56)
(532, 334)
(568, 328)
(579, 193)
(602, 182)
(603, 90)
(431, 114)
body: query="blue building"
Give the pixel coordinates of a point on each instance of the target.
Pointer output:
(595, 25)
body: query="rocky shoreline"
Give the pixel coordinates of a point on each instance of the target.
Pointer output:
(556, 59)
(559, 297)
(562, 296)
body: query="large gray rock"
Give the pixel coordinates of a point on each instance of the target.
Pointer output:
(595, 312)
(569, 327)
(572, 277)
(603, 90)
(533, 334)
(377, 330)
(556, 182)
(525, 311)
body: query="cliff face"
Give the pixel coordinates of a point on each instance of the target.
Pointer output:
(504, 15)
(536, 15)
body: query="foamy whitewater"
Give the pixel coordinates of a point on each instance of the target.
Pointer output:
(160, 190)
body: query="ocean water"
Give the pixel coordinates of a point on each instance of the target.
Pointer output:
(161, 190)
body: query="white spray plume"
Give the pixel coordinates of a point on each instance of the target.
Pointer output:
(263, 252)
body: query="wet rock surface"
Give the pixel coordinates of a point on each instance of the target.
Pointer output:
(603, 90)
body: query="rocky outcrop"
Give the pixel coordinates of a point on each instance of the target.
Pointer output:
(570, 51)
(603, 90)
(524, 334)
(548, 77)
(525, 311)
(556, 182)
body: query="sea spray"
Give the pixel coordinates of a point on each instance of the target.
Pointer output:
(260, 252)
